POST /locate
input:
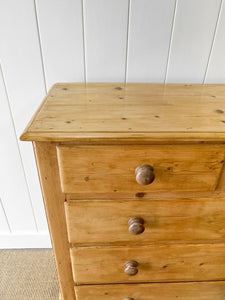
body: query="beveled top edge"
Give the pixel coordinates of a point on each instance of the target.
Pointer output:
(193, 91)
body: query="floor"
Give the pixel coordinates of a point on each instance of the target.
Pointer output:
(28, 274)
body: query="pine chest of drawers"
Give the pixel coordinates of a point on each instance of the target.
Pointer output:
(133, 181)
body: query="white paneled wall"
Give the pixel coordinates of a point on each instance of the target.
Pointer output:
(48, 41)
(150, 28)
(216, 68)
(60, 26)
(192, 38)
(105, 39)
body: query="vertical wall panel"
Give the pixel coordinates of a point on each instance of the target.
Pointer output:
(105, 29)
(4, 227)
(149, 38)
(216, 68)
(61, 35)
(194, 29)
(13, 189)
(22, 68)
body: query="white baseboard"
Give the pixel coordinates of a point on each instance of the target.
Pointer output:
(25, 240)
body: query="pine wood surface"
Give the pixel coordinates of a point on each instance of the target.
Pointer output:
(104, 222)
(157, 263)
(115, 112)
(155, 291)
(112, 168)
(60, 297)
(104, 131)
(54, 205)
(218, 193)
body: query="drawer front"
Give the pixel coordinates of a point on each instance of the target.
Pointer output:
(154, 291)
(108, 169)
(160, 263)
(124, 222)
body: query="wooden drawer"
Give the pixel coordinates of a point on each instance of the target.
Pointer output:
(158, 263)
(154, 291)
(102, 222)
(107, 169)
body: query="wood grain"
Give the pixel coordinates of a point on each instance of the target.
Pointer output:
(107, 169)
(130, 113)
(178, 218)
(60, 297)
(54, 205)
(179, 221)
(154, 291)
(156, 263)
(149, 196)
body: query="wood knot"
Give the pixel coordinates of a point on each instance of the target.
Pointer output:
(140, 195)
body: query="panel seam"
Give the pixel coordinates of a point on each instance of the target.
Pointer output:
(213, 42)
(18, 148)
(6, 218)
(40, 46)
(171, 39)
(127, 44)
(84, 45)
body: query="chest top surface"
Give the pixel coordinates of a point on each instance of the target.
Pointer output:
(137, 112)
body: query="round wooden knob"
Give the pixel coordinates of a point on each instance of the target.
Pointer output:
(144, 174)
(136, 225)
(131, 268)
